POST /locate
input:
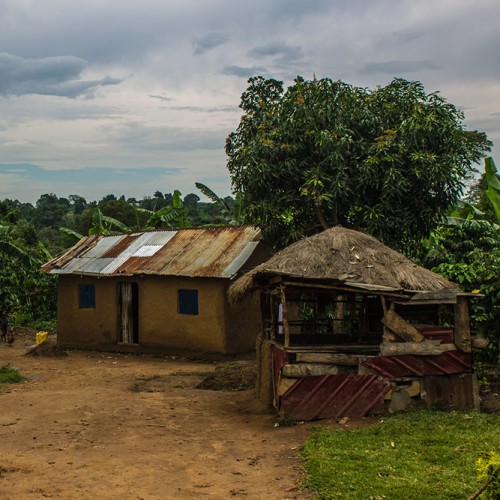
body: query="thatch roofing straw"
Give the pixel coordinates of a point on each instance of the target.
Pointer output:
(345, 255)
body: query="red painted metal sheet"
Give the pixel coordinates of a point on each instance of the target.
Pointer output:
(280, 359)
(431, 332)
(333, 396)
(410, 365)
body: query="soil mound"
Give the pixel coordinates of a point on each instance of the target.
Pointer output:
(47, 349)
(234, 376)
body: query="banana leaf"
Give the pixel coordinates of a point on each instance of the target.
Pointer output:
(493, 191)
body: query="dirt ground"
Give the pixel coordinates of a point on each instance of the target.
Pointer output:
(99, 425)
(94, 425)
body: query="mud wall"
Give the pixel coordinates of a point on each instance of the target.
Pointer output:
(160, 323)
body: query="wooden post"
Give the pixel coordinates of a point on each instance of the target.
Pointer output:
(462, 335)
(339, 318)
(272, 316)
(284, 313)
(264, 315)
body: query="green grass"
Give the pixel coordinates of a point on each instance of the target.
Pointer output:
(420, 455)
(9, 375)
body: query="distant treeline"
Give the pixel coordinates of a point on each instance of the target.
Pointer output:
(43, 220)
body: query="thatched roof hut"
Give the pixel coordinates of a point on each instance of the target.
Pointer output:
(343, 255)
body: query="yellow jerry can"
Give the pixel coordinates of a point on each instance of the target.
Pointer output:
(41, 337)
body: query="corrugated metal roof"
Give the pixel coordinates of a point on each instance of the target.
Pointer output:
(203, 252)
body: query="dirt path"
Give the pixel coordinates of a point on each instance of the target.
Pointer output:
(98, 425)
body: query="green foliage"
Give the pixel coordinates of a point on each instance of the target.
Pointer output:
(174, 215)
(45, 323)
(416, 455)
(50, 211)
(390, 161)
(22, 285)
(9, 375)
(493, 191)
(489, 474)
(231, 212)
(102, 224)
(109, 216)
(469, 254)
(28, 238)
(484, 194)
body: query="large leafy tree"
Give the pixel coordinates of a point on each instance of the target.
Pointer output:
(390, 161)
(50, 210)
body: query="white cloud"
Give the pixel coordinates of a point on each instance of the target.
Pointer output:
(165, 77)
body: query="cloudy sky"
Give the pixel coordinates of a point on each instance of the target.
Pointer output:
(132, 97)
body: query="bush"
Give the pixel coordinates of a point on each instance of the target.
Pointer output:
(489, 474)
(469, 254)
(9, 375)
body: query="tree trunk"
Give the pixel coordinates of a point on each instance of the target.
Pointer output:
(321, 216)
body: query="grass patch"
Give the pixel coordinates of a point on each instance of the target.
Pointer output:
(9, 375)
(425, 454)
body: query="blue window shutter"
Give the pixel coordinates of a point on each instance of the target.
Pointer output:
(87, 296)
(188, 301)
(91, 296)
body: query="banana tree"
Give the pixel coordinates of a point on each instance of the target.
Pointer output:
(233, 216)
(101, 224)
(493, 190)
(171, 216)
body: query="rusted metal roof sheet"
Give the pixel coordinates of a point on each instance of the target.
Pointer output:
(333, 396)
(208, 252)
(411, 366)
(113, 246)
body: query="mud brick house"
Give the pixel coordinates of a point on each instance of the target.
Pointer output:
(349, 327)
(160, 290)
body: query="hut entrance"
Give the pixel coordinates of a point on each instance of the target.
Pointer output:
(128, 311)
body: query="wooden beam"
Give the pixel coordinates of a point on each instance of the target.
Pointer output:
(426, 348)
(396, 294)
(300, 370)
(329, 358)
(444, 296)
(388, 336)
(480, 342)
(401, 327)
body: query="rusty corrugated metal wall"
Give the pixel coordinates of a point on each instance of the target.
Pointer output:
(419, 366)
(333, 396)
